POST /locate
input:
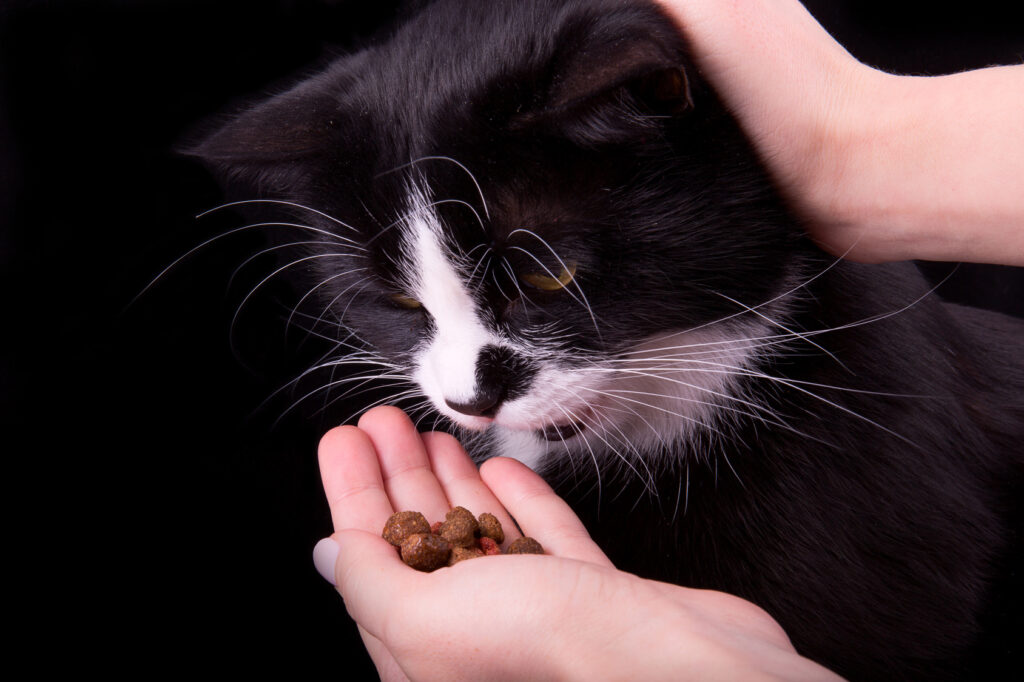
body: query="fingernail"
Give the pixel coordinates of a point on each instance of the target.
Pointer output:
(325, 555)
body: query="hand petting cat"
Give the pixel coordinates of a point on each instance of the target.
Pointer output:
(568, 615)
(885, 167)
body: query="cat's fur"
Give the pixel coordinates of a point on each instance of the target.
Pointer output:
(725, 405)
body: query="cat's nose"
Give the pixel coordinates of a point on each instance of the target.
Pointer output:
(500, 375)
(484, 404)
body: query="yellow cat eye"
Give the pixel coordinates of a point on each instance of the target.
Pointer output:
(546, 282)
(407, 302)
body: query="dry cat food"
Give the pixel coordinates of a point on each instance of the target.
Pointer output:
(460, 536)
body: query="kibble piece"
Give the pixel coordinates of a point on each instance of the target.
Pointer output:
(524, 546)
(489, 547)
(403, 524)
(490, 527)
(460, 527)
(425, 552)
(462, 553)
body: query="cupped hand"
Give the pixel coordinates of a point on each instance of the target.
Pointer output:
(568, 614)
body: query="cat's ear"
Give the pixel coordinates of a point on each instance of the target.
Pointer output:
(267, 141)
(648, 68)
(613, 78)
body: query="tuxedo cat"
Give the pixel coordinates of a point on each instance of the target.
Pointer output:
(537, 219)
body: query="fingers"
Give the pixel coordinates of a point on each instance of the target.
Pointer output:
(408, 479)
(352, 480)
(384, 466)
(539, 511)
(460, 478)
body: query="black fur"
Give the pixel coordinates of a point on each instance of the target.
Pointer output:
(881, 530)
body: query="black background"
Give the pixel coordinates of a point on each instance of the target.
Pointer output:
(157, 511)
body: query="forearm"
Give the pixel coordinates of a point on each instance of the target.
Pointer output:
(930, 168)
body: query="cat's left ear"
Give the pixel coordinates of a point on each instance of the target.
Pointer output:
(650, 70)
(265, 144)
(614, 75)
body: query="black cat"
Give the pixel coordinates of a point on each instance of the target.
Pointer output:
(537, 218)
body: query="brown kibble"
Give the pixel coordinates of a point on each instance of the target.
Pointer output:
(462, 553)
(427, 547)
(403, 524)
(490, 527)
(489, 546)
(524, 546)
(425, 552)
(460, 527)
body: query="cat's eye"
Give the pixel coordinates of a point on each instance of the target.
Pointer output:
(548, 282)
(407, 302)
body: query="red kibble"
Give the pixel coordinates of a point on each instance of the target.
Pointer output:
(489, 546)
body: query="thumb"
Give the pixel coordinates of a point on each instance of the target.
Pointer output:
(367, 572)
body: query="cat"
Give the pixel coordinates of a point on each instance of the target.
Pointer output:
(536, 219)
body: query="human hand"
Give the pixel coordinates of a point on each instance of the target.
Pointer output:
(883, 167)
(566, 615)
(796, 92)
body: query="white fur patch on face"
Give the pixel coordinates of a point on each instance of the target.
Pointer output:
(667, 388)
(446, 368)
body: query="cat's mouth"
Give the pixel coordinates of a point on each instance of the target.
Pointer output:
(561, 432)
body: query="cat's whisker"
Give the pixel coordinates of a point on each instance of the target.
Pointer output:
(774, 339)
(776, 323)
(271, 249)
(759, 412)
(497, 283)
(376, 386)
(595, 414)
(487, 251)
(293, 383)
(649, 373)
(795, 386)
(177, 261)
(388, 400)
(785, 294)
(648, 480)
(621, 398)
(472, 177)
(737, 370)
(279, 202)
(593, 456)
(351, 334)
(323, 282)
(299, 261)
(440, 202)
(380, 381)
(329, 307)
(515, 281)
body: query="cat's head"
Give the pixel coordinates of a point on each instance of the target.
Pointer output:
(536, 212)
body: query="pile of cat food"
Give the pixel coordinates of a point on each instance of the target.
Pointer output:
(459, 537)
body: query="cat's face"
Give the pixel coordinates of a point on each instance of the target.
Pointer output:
(542, 221)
